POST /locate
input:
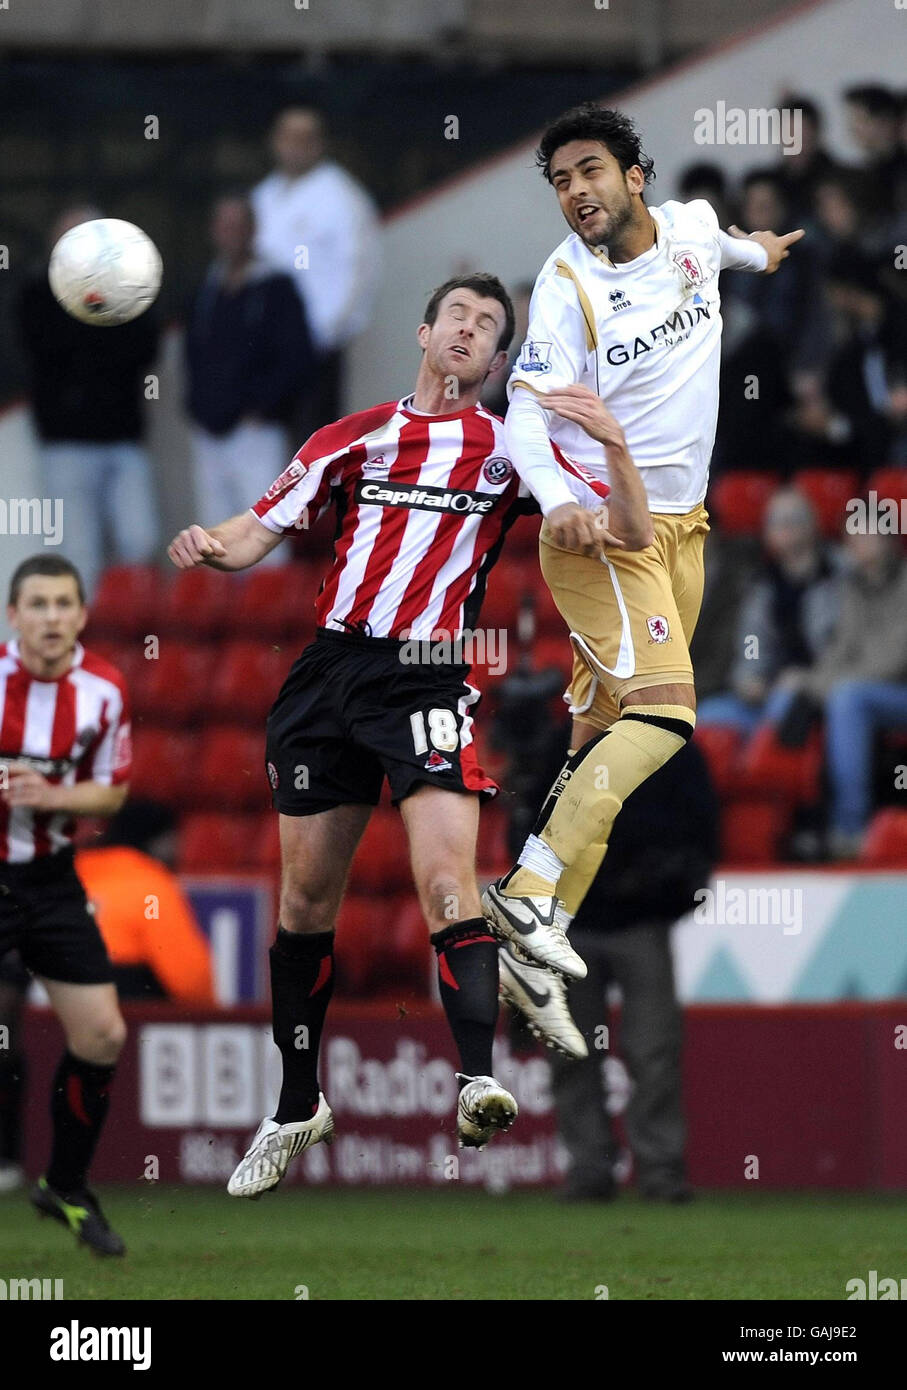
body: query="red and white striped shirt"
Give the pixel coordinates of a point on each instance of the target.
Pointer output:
(423, 503)
(72, 729)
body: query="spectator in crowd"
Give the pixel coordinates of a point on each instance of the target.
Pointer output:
(248, 357)
(662, 850)
(706, 181)
(840, 223)
(858, 418)
(494, 397)
(802, 172)
(793, 311)
(728, 578)
(317, 223)
(87, 392)
(785, 621)
(159, 953)
(858, 681)
(755, 395)
(875, 115)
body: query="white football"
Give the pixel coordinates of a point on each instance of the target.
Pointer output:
(105, 272)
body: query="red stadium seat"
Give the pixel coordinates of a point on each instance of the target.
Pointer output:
(554, 652)
(885, 846)
(246, 680)
(126, 654)
(228, 771)
(738, 501)
(506, 586)
(769, 768)
(752, 829)
(889, 482)
(548, 620)
(126, 603)
(402, 955)
(198, 603)
(266, 849)
(720, 745)
(523, 538)
(493, 854)
(381, 864)
(162, 764)
(829, 490)
(174, 687)
(275, 604)
(213, 842)
(361, 924)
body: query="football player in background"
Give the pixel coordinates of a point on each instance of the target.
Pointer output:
(424, 492)
(64, 752)
(625, 311)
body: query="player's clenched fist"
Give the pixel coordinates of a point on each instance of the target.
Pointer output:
(576, 528)
(193, 547)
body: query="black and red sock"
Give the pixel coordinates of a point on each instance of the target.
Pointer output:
(79, 1101)
(468, 979)
(302, 982)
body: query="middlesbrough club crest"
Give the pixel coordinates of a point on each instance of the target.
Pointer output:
(659, 631)
(688, 266)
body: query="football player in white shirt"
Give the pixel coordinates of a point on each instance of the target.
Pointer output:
(620, 366)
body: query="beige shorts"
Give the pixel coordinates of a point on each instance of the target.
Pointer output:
(631, 614)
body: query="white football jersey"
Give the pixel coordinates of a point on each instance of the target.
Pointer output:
(646, 335)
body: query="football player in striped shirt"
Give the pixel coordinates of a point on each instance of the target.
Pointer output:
(424, 491)
(64, 752)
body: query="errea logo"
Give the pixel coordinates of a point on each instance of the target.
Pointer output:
(77, 1343)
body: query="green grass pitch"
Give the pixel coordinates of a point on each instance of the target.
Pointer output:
(196, 1243)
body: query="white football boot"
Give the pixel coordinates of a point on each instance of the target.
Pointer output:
(484, 1108)
(535, 926)
(269, 1154)
(539, 995)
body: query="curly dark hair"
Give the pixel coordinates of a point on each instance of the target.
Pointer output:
(593, 122)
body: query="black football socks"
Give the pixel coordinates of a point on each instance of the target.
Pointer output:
(468, 979)
(79, 1100)
(302, 982)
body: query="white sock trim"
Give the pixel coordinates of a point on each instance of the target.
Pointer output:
(541, 859)
(562, 917)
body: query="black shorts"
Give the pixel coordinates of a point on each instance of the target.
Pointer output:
(352, 711)
(44, 914)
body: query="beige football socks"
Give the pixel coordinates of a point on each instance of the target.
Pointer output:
(570, 837)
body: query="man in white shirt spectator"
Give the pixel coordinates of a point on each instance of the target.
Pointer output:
(316, 222)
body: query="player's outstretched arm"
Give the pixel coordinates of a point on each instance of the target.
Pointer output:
(629, 520)
(775, 247)
(236, 544)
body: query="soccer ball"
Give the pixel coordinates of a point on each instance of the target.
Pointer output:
(105, 272)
